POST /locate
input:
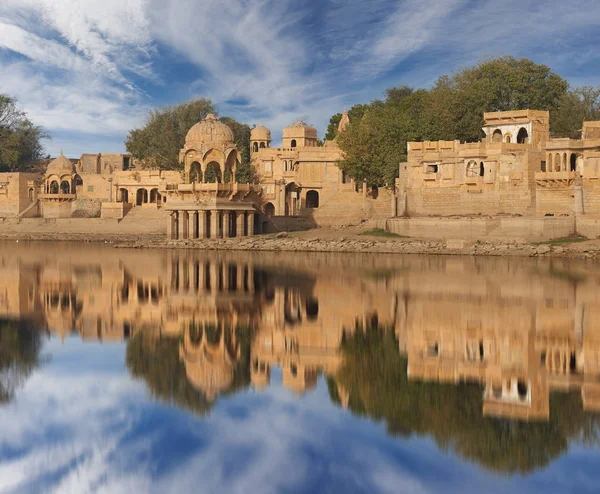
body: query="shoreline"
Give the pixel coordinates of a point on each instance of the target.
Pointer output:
(331, 241)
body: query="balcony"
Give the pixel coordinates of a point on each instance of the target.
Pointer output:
(58, 197)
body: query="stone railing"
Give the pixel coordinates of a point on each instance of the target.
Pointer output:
(561, 175)
(58, 196)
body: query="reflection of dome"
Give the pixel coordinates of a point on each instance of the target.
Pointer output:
(60, 166)
(209, 368)
(260, 133)
(209, 131)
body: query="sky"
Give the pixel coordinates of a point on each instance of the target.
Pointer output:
(89, 71)
(80, 424)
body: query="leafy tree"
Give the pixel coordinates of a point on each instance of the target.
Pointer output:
(500, 84)
(575, 107)
(375, 144)
(20, 139)
(375, 374)
(19, 355)
(355, 114)
(157, 144)
(245, 172)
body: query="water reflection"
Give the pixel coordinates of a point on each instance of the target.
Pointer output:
(498, 360)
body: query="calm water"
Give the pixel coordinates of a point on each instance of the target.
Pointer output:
(175, 371)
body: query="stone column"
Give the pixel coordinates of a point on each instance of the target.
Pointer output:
(250, 224)
(239, 223)
(214, 277)
(240, 278)
(201, 224)
(193, 228)
(226, 226)
(172, 226)
(225, 273)
(214, 224)
(184, 223)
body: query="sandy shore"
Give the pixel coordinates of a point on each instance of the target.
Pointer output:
(328, 240)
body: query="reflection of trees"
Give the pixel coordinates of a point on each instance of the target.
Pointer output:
(156, 361)
(375, 375)
(19, 355)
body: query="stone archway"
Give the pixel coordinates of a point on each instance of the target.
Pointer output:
(522, 136)
(53, 188)
(141, 197)
(195, 172)
(213, 173)
(65, 187)
(124, 195)
(312, 199)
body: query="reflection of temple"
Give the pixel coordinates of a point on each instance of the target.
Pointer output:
(520, 334)
(521, 328)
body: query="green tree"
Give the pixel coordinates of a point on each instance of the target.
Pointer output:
(355, 114)
(500, 84)
(20, 139)
(157, 144)
(245, 172)
(375, 145)
(20, 348)
(575, 107)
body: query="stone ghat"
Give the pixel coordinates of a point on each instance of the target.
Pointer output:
(287, 243)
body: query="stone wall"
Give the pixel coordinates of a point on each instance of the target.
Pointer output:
(558, 202)
(14, 192)
(532, 229)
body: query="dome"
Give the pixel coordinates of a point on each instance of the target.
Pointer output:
(260, 133)
(209, 131)
(60, 166)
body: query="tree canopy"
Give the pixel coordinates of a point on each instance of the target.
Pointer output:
(20, 139)
(375, 142)
(158, 143)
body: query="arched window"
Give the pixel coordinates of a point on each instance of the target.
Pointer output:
(141, 197)
(481, 169)
(213, 173)
(30, 194)
(472, 169)
(255, 147)
(507, 138)
(124, 195)
(154, 196)
(269, 209)
(262, 145)
(312, 309)
(497, 136)
(65, 187)
(77, 182)
(374, 192)
(557, 163)
(522, 136)
(293, 143)
(573, 162)
(53, 189)
(312, 199)
(195, 172)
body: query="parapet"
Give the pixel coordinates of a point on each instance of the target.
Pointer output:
(516, 117)
(591, 130)
(432, 146)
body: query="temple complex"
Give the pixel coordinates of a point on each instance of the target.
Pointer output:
(518, 180)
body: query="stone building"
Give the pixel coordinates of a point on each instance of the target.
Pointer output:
(210, 203)
(516, 169)
(301, 179)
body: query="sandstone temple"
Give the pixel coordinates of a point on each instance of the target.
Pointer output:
(517, 181)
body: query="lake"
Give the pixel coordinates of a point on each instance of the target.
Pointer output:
(129, 371)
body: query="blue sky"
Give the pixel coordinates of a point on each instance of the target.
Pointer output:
(89, 70)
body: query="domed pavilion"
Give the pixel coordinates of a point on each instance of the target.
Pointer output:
(211, 204)
(60, 188)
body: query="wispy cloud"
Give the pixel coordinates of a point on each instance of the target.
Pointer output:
(84, 68)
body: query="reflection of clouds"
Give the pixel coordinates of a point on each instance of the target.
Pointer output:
(81, 425)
